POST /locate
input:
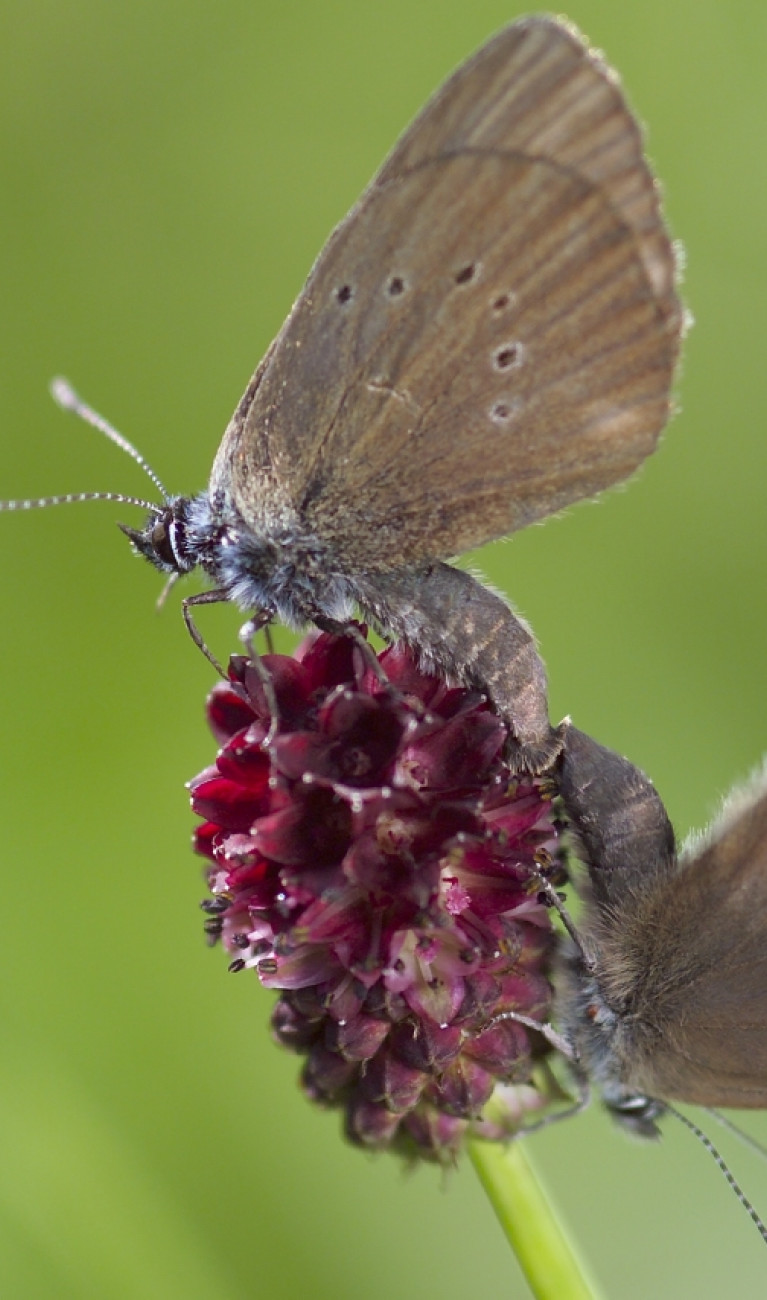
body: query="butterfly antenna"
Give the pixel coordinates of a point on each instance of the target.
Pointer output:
(64, 394)
(69, 498)
(745, 1138)
(724, 1168)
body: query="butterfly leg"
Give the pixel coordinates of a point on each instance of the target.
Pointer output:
(340, 628)
(256, 623)
(370, 658)
(564, 1048)
(259, 620)
(216, 597)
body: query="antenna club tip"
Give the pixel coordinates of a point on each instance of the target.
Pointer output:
(63, 393)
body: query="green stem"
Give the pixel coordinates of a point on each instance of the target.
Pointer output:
(536, 1236)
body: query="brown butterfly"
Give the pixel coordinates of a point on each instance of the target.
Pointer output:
(488, 336)
(666, 997)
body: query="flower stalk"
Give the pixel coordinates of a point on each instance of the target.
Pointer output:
(530, 1223)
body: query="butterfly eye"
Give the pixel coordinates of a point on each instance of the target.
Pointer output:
(161, 543)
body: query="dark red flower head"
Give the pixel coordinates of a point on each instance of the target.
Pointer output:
(376, 863)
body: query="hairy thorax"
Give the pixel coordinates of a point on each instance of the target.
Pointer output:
(284, 570)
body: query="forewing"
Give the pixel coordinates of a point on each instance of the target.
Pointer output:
(491, 333)
(536, 89)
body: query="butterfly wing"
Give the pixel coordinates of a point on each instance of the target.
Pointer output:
(701, 1003)
(488, 336)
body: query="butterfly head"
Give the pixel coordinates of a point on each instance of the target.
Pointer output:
(164, 539)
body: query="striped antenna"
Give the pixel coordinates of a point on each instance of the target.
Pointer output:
(63, 393)
(705, 1140)
(69, 498)
(748, 1141)
(66, 397)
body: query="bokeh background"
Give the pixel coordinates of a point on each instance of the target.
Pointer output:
(168, 171)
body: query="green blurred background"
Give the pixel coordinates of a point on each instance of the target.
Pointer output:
(168, 171)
